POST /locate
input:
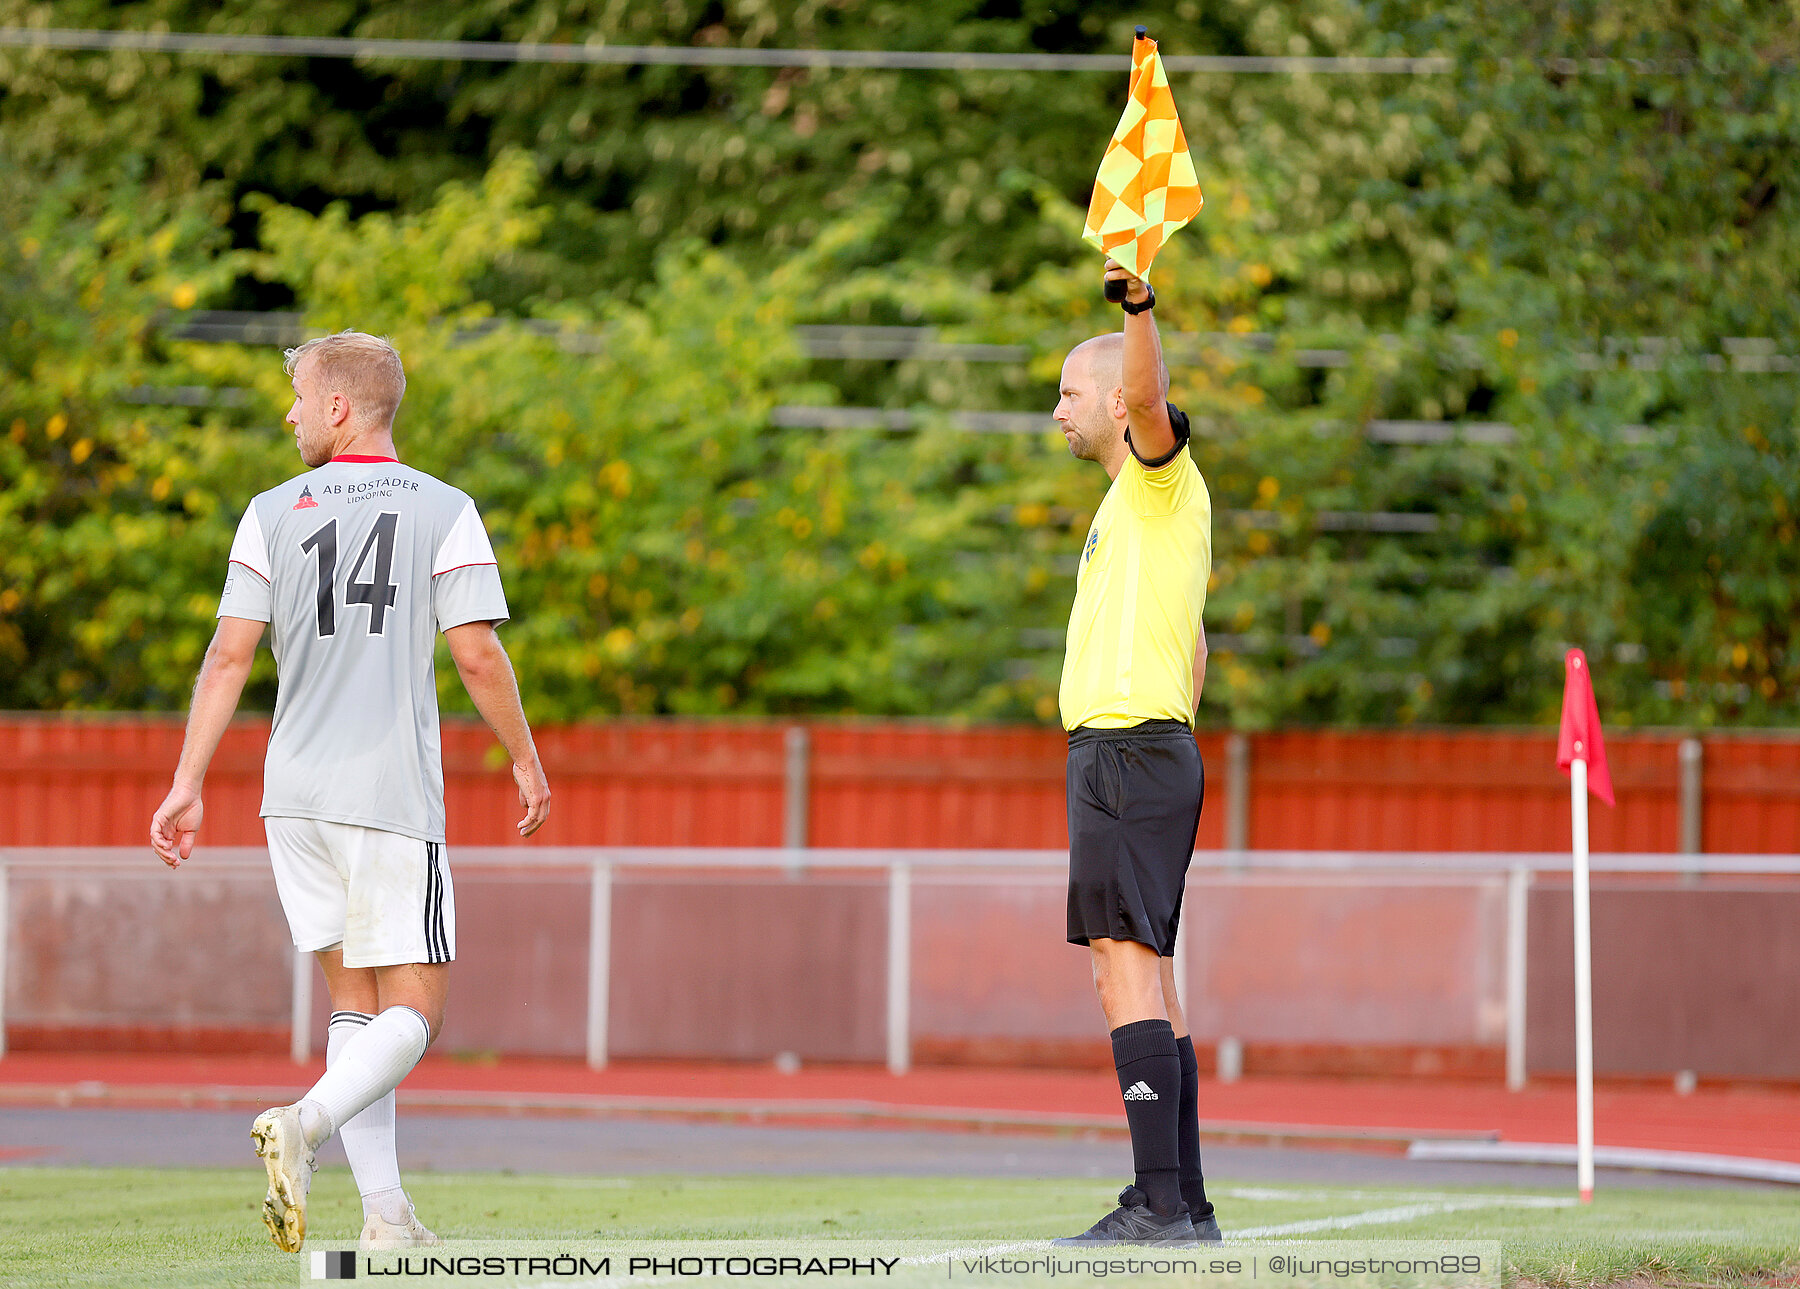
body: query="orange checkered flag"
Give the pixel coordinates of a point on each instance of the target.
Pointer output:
(1146, 188)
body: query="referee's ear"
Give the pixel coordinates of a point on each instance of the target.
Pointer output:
(1115, 404)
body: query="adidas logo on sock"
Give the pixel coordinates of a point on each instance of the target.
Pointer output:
(1140, 1091)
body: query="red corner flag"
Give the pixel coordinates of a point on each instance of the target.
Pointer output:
(1580, 735)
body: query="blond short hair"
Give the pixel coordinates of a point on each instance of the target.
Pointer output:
(365, 368)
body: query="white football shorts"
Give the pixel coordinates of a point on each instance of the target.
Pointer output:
(386, 898)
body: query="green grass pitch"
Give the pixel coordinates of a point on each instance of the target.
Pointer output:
(127, 1227)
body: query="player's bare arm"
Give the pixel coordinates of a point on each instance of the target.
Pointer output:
(216, 693)
(1146, 407)
(487, 674)
(1200, 664)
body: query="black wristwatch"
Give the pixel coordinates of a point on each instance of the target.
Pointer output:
(1135, 309)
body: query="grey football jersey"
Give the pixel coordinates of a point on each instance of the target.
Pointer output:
(356, 567)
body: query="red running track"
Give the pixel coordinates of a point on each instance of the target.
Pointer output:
(1754, 1122)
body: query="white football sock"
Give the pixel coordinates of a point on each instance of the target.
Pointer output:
(369, 1137)
(315, 1124)
(392, 1205)
(370, 1065)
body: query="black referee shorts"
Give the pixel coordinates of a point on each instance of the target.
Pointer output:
(1134, 808)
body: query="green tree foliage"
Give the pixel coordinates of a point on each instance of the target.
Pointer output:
(665, 548)
(1575, 246)
(109, 517)
(761, 159)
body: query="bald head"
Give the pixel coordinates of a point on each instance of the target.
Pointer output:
(1091, 409)
(1104, 356)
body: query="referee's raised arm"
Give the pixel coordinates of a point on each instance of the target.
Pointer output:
(1146, 411)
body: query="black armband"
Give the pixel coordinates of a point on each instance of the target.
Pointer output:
(1178, 422)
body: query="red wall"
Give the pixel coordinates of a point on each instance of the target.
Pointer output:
(81, 781)
(1753, 796)
(1455, 790)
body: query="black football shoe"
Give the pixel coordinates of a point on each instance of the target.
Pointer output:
(1133, 1223)
(1206, 1229)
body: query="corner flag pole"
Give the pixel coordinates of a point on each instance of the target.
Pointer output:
(1584, 988)
(1581, 751)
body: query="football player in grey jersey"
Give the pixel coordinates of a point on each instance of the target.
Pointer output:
(355, 567)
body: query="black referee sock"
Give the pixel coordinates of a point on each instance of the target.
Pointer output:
(1193, 1185)
(1150, 1081)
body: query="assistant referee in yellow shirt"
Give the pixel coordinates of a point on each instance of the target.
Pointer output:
(1135, 661)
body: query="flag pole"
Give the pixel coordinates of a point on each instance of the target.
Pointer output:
(1584, 987)
(1116, 288)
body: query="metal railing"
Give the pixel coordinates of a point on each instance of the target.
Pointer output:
(595, 51)
(602, 863)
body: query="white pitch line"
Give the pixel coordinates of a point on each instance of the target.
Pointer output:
(1374, 1217)
(1400, 1213)
(1273, 1193)
(1431, 1204)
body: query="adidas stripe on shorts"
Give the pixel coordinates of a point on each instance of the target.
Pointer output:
(383, 896)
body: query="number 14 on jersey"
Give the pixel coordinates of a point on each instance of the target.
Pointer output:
(379, 592)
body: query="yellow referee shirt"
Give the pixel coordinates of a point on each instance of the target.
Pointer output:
(1139, 592)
